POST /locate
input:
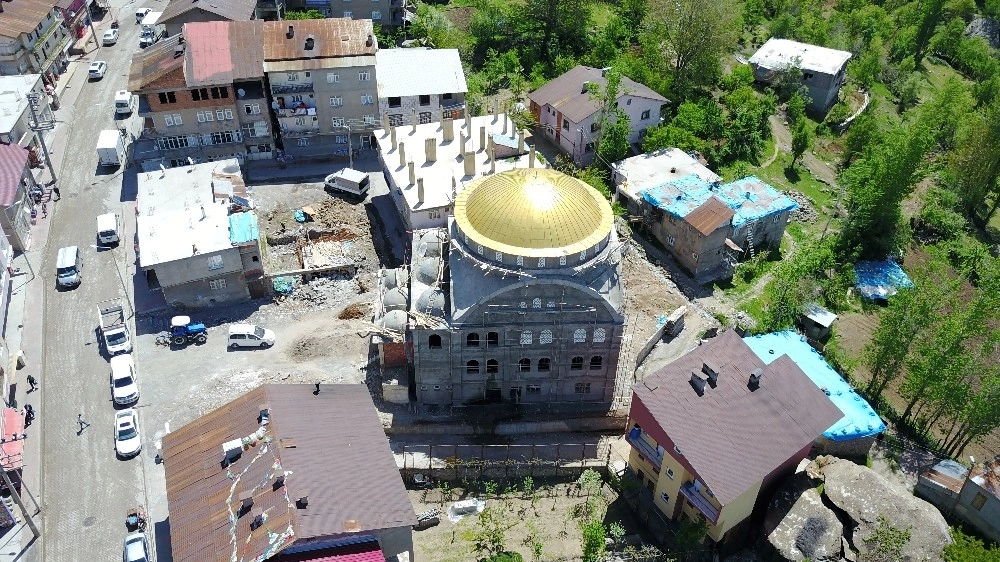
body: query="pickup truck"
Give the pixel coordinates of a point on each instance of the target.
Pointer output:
(114, 331)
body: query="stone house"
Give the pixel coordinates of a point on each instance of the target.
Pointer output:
(569, 114)
(435, 93)
(718, 471)
(34, 38)
(823, 69)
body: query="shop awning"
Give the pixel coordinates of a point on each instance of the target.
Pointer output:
(11, 430)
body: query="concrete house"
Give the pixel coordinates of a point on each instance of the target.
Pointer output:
(708, 226)
(179, 12)
(519, 300)
(15, 111)
(323, 84)
(426, 166)
(287, 473)
(823, 69)
(16, 184)
(191, 245)
(569, 115)
(971, 495)
(201, 96)
(714, 431)
(435, 93)
(34, 38)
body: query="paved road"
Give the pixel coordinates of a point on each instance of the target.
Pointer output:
(85, 489)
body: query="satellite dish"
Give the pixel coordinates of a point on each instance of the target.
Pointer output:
(241, 92)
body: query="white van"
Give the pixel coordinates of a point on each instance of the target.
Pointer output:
(124, 102)
(348, 181)
(249, 335)
(108, 229)
(68, 267)
(124, 383)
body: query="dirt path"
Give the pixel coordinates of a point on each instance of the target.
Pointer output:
(783, 140)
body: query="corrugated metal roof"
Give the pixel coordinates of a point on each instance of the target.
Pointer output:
(777, 54)
(236, 10)
(819, 315)
(153, 67)
(317, 64)
(332, 37)
(414, 72)
(221, 52)
(731, 436)
(243, 227)
(23, 16)
(566, 92)
(710, 216)
(13, 158)
(329, 445)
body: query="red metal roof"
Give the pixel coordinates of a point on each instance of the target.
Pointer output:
(10, 450)
(13, 158)
(361, 552)
(221, 52)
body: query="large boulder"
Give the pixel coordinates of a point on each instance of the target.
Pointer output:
(864, 495)
(799, 527)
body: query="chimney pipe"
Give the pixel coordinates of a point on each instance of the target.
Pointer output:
(385, 122)
(493, 157)
(755, 376)
(482, 138)
(531, 157)
(454, 188)
(449, 129)
(461, 141)
(392, 131)
(246, 499)
(468, 122)
(698, 383)
(430, 149)
(496, 109)
(520, 142)
(505, 124)
(291, 32)
(470, 163)
(413, 175)
(420, 190)
(303, 499)
(414, 113)
(402, 155)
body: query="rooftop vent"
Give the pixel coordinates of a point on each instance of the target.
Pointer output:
(302, 500)
(754, 382)
(698, 384)
(604, 71)
(258, 518)
(265, 413)
(291, 32)
(748, 195)
(279, 480)
(673, 170)
(231, 450)
(583, 89)
(178, 50)
(246, 500)
(370, 40)
(310, 43)
(712, 370)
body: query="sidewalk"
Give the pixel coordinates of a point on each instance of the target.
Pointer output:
(24, 317)
(306, 171)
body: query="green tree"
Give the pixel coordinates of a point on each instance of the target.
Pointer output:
(432, 22)
(930, 16)
(594, 534)
(866, 68)
(966, 548)
(863, 131)
(612, 142)
(795, 108)
(975, 163)
(553, 28)
(801, 140)
(694, 35)
(492, 26)
(490, 535)
(310, 14)
(690, 537)
(885, 543)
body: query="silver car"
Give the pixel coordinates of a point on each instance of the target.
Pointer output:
(136, 548)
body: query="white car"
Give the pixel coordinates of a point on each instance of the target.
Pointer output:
(110, 37)
(141, 13)
(136, 548)
(97, 70)
(124, 388)
(249, 335)
(127, 443)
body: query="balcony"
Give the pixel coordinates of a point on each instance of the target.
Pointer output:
(277, 89)
(299, 133)
(296, 112)
(694, 497)
(645, 450)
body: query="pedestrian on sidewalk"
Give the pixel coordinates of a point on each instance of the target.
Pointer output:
(33, 383)
(83, 424)
(56, 191)
(29, 415)
(45, 210)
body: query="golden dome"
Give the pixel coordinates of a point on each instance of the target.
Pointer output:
(533, 213)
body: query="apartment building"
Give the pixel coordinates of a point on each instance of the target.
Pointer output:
(33, 37)
(181, 12)
(435, 93)
(322, 85)
(202, 98)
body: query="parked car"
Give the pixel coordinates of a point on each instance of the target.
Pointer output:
(348, 181)
(127, 442)
(110, 36)
(97, 70)
(141, 13)
(249, 335)
(136, 548)
(124, 388)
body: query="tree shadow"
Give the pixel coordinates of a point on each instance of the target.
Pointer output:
(792, 174)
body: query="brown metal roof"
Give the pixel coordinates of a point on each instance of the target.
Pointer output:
(333, 37)
(710, 216)
(154, 67)
(23, 16)
(330, 446)
(566, 92)
(236, 10)
(221, 52)
(731, 436)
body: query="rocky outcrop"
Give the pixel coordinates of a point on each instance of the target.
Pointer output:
(799, 527)
(863, 496)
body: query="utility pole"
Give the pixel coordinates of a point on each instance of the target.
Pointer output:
(17, 499)
(38, 127)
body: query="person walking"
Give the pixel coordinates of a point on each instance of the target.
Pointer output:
(83, 424)
(32, 383)
(29, 415)
(56, 191)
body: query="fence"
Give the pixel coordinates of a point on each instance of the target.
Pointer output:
(502, 462)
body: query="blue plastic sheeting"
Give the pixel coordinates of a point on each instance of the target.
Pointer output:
(300, 215)
(750, 198)
(880, 279)
(859, 420)
(243, 228)
(282, 285)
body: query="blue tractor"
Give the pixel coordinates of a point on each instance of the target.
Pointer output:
(183, 331)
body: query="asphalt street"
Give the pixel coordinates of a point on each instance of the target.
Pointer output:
(86, 490)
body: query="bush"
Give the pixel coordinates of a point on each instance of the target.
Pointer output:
(838, 113)
(504, 557)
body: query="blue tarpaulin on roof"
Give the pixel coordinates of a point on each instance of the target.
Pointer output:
(243, 228)
(750, 198)
(880, 279)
